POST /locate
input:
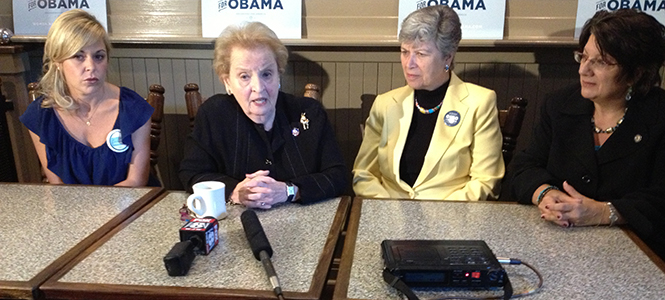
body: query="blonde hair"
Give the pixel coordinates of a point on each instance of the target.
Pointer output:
(247, 36)
(72, 31)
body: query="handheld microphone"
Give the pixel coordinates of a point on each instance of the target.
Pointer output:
(198, 236)
(260, 247)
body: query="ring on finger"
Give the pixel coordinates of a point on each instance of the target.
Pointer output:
(262, 203)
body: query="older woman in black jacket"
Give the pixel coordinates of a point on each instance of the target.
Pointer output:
(268, 147)
(597, 155)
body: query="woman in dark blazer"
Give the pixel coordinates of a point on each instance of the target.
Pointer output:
(597, 155)
(268, 147)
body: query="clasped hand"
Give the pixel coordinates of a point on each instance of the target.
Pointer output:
(569, 208)
(259, 190)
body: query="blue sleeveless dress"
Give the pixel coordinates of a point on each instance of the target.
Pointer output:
(76, 163)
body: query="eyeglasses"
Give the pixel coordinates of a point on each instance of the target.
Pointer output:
(595, 63)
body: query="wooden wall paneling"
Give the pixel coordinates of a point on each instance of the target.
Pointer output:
(287, 79)
(218, 86)
(126, 72)
(166, 78)
(486, 76)
(6, 19)
(370, 74)
(141, 83)
(170, 139)
(342, 79)
(516, 76)
(154, 18)
(501, 80)
(384, 78)
(299, 77)
(113, 74)
(206, 78)
(316, 75)
(192, 74)
(180, 78)
(152, 73)
(328, 96)
(530, 92)
(177, 120)
(397, 77)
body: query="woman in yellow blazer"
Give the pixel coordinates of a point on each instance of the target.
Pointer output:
(438, 137)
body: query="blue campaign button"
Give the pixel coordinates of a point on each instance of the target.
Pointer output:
(452, 118)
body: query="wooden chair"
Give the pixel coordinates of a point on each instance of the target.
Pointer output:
(156, 100)
(194, 100)
(511, 124)
(510, 120)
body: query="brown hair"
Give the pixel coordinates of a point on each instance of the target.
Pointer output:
(635, 40)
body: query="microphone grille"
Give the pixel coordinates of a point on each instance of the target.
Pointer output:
(255, 235)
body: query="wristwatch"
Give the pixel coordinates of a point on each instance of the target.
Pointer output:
(614, 216)
(290, 192)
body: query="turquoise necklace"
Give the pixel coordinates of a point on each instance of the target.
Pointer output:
(428, 111)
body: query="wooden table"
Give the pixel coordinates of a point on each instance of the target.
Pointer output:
(128, 263)
(45, 226)
(576, 263)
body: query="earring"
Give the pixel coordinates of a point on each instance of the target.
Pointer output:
(447, 68)
(279, 86)
(629, 95)
(229, 92)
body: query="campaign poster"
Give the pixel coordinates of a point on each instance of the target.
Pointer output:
(34, 17)
(481, 19)
(587, 8)
(284, 17)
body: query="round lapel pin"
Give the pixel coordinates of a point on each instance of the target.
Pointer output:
(114, 141)
(451, 118)
(295, 131)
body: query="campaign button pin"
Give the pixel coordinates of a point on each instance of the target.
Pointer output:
(114, 141)
(451, 118)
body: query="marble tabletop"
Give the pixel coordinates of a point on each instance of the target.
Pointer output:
(576, 263)
(302, 237)
(44, 226)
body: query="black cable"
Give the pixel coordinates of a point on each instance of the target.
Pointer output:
(511, 261)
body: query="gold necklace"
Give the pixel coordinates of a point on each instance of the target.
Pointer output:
(87, 122)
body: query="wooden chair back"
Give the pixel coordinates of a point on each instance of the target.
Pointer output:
(511, 124)
(156, 100)
(194, 99)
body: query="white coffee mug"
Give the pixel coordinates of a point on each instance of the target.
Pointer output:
(208, 199)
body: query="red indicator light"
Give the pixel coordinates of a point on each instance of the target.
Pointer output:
(475, 275)
(466, 275)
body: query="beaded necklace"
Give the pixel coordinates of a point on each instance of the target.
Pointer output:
(428, 111)
(611, 129)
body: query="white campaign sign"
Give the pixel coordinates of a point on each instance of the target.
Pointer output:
(587, 8)
(34, 17)
(481, 19)
(284, 17)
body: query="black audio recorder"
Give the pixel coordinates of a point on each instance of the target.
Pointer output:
(443, 263)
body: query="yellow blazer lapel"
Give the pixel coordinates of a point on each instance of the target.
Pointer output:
(404, 119)
(445, 132)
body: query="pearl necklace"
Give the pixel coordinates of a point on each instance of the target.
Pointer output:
(428, 111)
(611, 129)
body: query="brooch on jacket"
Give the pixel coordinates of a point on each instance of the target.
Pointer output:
(304, 121)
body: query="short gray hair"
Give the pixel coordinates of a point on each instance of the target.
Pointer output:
(439, 24)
